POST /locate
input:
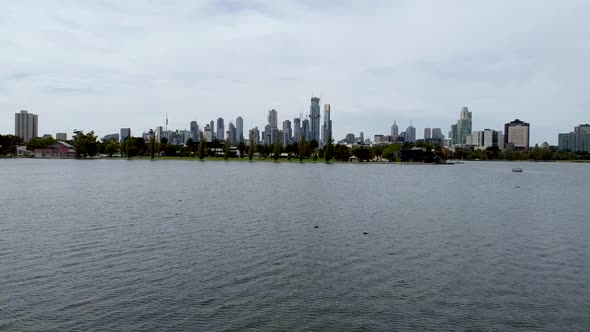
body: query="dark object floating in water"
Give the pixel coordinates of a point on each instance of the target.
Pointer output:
(517, 186)
(517, 170)
(365, 233)
(316, 226)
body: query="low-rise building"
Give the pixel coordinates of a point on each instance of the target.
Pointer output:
(576, 141)
(59, 149)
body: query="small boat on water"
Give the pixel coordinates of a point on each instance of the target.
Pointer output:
(517, 170)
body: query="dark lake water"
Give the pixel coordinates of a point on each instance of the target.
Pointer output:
(221, 246)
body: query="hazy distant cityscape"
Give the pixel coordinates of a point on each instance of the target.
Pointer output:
(309, 126)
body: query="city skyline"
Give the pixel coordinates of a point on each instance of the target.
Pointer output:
(107, 65)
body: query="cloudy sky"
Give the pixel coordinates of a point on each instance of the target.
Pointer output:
(103, 65)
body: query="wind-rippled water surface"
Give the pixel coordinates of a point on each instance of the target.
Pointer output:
(219, 246)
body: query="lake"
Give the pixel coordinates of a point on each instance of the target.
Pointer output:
(219, 246)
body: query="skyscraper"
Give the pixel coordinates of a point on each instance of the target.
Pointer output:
(296, 130)
(576, 141)
(394, 130)
(287, 132)
(26, 125)
(437, 134)
(125, 132)
(517, 133)
(194, 131)
(273, 119)
(460, 130)
(239, 129)
(220, 129)
(327, 129)
(232, 134)
(411, 134)
(314, 118)
(427, 133)
(212, 129)
(305, 130)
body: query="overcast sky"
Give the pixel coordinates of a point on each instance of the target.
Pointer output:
(103, 65)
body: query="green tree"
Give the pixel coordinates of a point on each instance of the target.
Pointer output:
(9, 144)
(85, 145)
(342, 152)
(153, 147)
(202, 146)
(252, 146)
(276, 153)
(227, 147)
(40, 143)
(390, 152)
(242, 148)
(111, 148)
(329, 149)
(302, 147)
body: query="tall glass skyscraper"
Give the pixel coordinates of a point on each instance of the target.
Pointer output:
(460, 131)
(314, 119)
(327, 129)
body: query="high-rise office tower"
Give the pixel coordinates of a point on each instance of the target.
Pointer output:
(125, 132)
(437, 134)
(394, 130)
(212, 128)
(314, 118)
(194, 131)
(239, 129)
(232, 134)
(26, 125)
(517, 133)
(327, 129)
(296, 130)
(411, 134)
(577, 140)
(427, 133)
(273, 119)
(287, 133)
(254, 135)
(305, 130)
(208, 133)
(220, 129)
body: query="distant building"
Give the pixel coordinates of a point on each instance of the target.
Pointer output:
(287, 133)
(240, 129)
(255, 135)
(517, 133)
(58, 149)
(394, 130)
(460, 130)
(305, 130)
(212, 126)
(576, 141)
(208, 133)
(379, 139)
(427, 133)
(411, 134)
(232, 134)
(110, 137)
(273, 119)
(26, 125)
(327, 128)
(437, 134)
(220, 129)
(194, 128)
(350, 138)
(296, 130)
(61, 136)
(125, 132)
(314, 119)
